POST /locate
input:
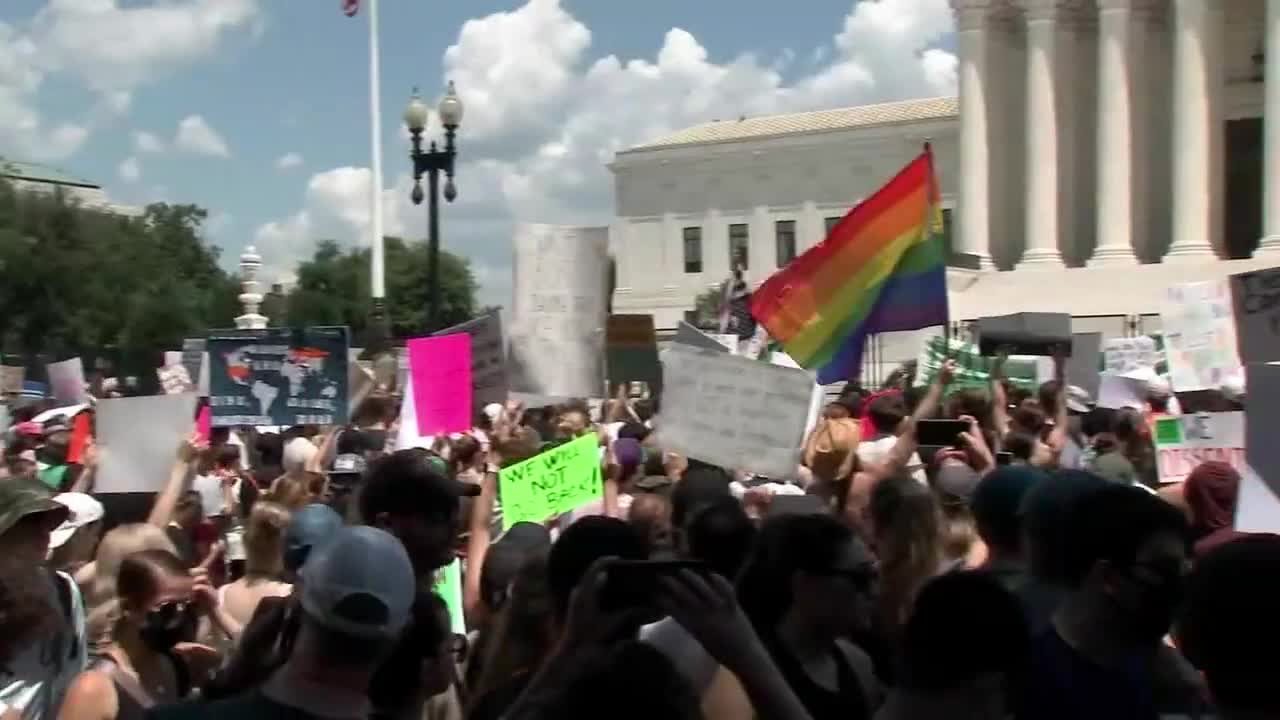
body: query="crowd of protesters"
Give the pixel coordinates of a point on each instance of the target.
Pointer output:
(1031, 568)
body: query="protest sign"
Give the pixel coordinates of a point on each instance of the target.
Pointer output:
(11, 378)
(66, 378)
(448, 586)
(1134, 357)
(278, 376)
(1258, 502)
(1255, 298)
(1029, 333)
(1199, 335)
(552, 482)
(440, 372)
(1185, 441)
(359, 384)
(687, 334)
(407, 435)
(557, 329)
(195, 356)
(172, 357)
(138, 440)
(972, 369)
(1117, 391)
(488, 359)
(631, 350)
(732, 411)
(174, 379)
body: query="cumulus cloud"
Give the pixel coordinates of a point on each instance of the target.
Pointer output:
(147, 142)
(112, 48)
(543, 117)
(196, 136)
(130, 170)
(288, 161)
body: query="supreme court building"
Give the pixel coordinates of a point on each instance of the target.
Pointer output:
(1098, 152)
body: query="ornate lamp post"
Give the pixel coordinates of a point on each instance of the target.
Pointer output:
(431, 162)
(250, 263)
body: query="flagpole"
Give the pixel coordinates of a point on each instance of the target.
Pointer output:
(377, 284)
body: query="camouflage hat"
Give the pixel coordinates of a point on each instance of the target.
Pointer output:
(21, 497)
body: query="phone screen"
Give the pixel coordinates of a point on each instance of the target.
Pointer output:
(944, 433)
(634, 583)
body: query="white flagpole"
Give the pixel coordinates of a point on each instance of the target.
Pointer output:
(377, 282)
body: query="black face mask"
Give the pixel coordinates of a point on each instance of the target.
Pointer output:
(167, 626)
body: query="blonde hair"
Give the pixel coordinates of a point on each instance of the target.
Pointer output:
(103, 605)
(295, 491)
(264, 538)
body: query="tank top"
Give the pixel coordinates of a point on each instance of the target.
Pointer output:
(132, 700)
(847, 702)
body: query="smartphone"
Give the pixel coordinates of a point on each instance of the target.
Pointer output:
(944, 433)
(634, 583)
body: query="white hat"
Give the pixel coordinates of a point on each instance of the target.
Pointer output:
(84, 510)
(493, 411)
(359, 583)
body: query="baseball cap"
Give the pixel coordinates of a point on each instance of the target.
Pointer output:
(360, 583)
(348, 464)
(56, 424)
(406, 481)
(956, 481)
(510, 552)
(21, 497)
(84, 510)
(309, 527)
(1078, 400)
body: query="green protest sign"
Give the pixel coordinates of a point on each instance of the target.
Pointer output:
(551, 483)
(449, 587)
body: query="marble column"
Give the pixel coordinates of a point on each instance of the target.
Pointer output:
(972, 21)
(1124, 26)
(1197, 147)
(1270, 243)
(1043, 210)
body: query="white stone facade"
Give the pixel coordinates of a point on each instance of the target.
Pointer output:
(1099, 151)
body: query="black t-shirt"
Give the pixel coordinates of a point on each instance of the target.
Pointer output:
(1065, 685)
(250, 706)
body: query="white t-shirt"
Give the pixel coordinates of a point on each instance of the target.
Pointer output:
(35, 683)
(874, 452)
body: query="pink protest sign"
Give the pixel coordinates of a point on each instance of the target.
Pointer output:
(204, 423)
(441, 370)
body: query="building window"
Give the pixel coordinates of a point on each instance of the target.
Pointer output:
(831, 222)
(693, 250)
(785, 236)
(739, 257)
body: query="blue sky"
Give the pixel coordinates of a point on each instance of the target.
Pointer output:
(200, 100)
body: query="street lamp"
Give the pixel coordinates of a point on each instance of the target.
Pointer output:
(431, 163)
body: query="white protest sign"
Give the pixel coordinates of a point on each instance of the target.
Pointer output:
(66, 379)
(1258, 502)
(1185, 441)
(1117, 391)
(173, 357)
(488, 358)
(733, 412)
(138, 440)
(174, 379)
(1256, 300)
(1199, 335)
(1134, 357)
(558, 323)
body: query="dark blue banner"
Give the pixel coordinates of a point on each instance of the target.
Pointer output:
(278, 376)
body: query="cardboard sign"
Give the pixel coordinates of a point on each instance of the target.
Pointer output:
(1117, 391)
(733, 412)
(278, 377)
(1258, 502)
(551, 483)
(11, 378)
(687, 334)
(1134, 357)
(1024, 333)
(973, 370)
(1184, 442)
(1255, 297)
(557, 329)
(138, 440)
(174, 379)
(440, 370)
(1199, 336)
(488, 359)
(631, 350)
(1082, 366)
(195, 357)
(66, 379)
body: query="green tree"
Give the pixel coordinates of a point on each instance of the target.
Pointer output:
(79, 281)
(706, 309)
(333, 289)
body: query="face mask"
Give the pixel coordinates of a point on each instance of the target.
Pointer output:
(167, 626)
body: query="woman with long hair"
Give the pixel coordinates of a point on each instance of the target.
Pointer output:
(807, 586)
(264, 541)
(157, 607)
(517, 644)
(116, 545)
(907, 531)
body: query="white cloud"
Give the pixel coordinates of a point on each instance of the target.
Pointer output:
(288, 161)
(146, 142)
(130, 171)
(112, 48)
(543, 118)
(196, 136)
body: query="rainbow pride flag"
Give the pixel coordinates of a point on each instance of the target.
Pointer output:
(882, 268)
